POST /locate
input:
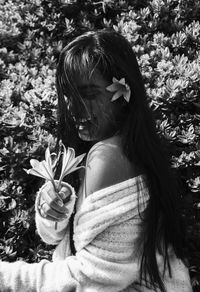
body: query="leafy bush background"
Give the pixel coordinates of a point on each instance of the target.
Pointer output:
(165, 35)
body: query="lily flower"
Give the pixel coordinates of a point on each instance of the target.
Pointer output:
(46, 168)
(69, 163)
(120, 88)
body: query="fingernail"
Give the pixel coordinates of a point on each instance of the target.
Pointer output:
(63, 194)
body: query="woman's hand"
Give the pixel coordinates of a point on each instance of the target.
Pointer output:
(52, 204)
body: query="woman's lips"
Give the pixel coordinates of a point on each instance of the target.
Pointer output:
(82, 127)
(83, 120)
(83, 123)
(87, 128)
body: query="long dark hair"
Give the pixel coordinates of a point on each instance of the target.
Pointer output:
(112, 55)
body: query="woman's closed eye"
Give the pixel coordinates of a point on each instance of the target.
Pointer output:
(90, 94)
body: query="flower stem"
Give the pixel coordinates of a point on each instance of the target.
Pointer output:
(56, 188)
(54, 185)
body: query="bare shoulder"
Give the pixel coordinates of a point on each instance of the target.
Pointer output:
(107, 165)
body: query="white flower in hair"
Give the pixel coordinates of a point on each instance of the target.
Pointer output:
(121, 88)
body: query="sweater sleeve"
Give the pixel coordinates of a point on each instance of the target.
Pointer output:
(38, 277)
(46, 228)
(75, 273)
(108, 262)
(91, 269)
(84, 272)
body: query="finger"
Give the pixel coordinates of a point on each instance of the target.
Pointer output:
(58, 205)
(48, 186)
(48, 213)
(53, 200)
(48, 193)
(52, 218)
(65, 194)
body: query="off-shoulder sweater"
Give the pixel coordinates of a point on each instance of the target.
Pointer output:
(106, 230)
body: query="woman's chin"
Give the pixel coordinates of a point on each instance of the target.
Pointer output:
(85, 136)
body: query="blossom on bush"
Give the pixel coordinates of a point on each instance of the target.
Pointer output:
(31, 34)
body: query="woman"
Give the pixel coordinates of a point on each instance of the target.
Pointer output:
(126, 233)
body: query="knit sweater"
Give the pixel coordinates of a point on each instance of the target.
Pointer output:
(106, 229)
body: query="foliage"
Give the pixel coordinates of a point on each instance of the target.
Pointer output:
(165, 35)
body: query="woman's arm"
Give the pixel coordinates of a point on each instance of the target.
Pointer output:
(50, 231)
(108, 262)
(76, 273)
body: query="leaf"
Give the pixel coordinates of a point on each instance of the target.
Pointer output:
(12, 204)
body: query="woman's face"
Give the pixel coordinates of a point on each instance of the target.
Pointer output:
(97, 119)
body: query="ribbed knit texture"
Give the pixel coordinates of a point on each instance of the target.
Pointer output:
(106, 230)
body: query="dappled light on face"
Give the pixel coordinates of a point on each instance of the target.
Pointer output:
(95, 120)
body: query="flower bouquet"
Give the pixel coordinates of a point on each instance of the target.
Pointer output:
(46, 169)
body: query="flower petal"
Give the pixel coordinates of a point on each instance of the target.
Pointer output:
(74, 169)
(75, 162)
(113, 87)
(71, 154)
(127, 96)
(41, 168)
(54, 160)
(115, 80)
(68, 156)
(117, 95)
(120, 88)
(122, 81)
(47, 169)
(34, 163)
(71, 166)
(36, 173)
(48, 156)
